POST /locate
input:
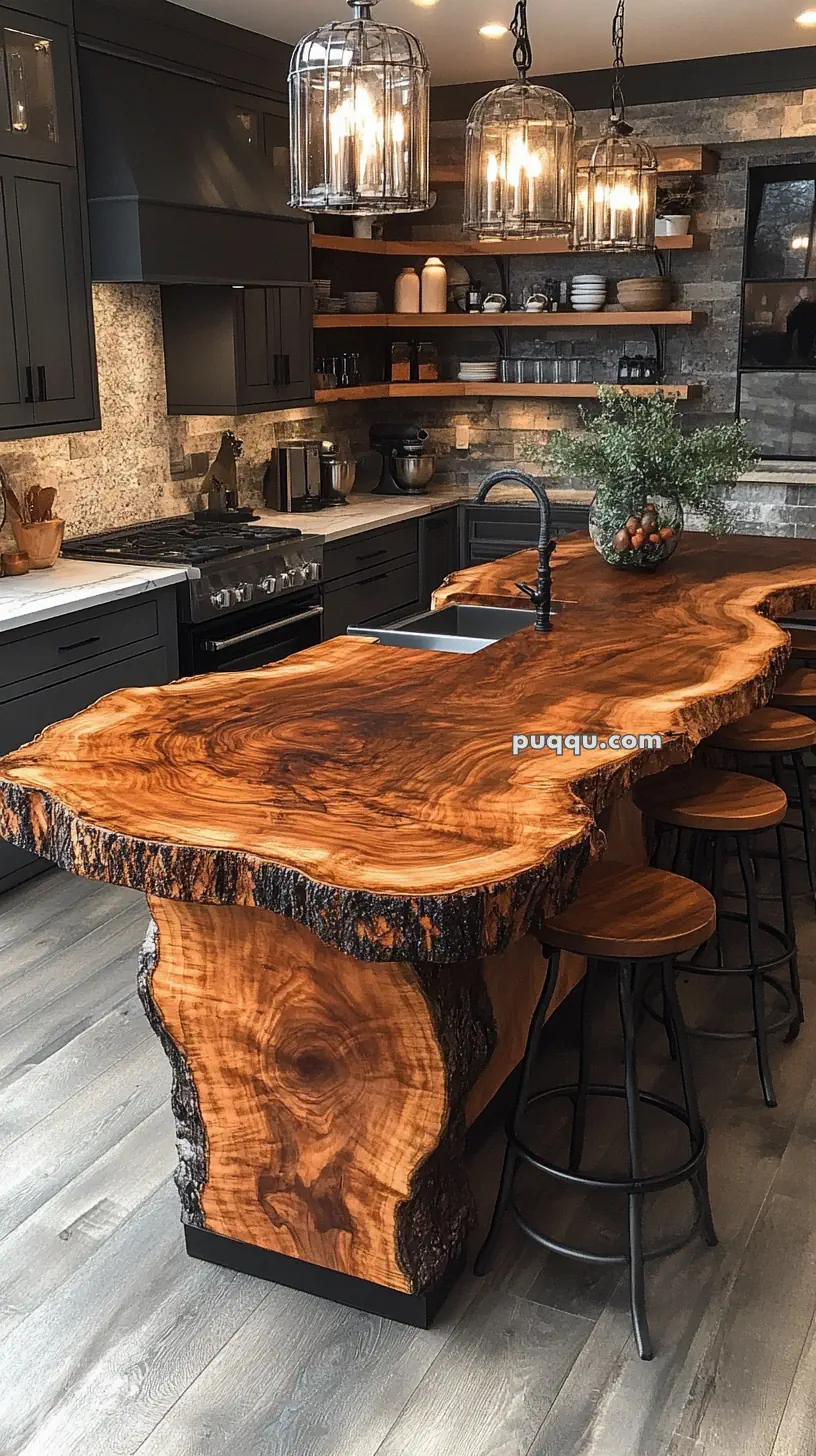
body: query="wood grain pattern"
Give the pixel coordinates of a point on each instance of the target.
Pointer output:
(371, 793)
(797, 689)
(768, 730)
(319, 1100)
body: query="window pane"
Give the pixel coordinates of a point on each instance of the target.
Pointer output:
(780, 243)
(30, 80)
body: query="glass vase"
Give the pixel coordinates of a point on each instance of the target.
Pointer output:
(637, 531)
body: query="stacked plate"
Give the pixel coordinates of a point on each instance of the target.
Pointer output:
(330, 305)
(363, 302)
(588, 293)
(478, 371)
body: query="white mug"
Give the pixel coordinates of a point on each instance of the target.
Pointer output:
(494, 303)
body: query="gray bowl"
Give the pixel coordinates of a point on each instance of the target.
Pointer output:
(415, 470)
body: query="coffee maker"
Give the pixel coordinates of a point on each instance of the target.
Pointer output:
(406, 470)
(292, 477)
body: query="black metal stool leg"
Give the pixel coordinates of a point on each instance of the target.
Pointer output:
(510, 1158)
(789, 923)
(579, 1110)
(700, 1179)
(718, 891)
(626, 992)
(757, 978)
(807, 819)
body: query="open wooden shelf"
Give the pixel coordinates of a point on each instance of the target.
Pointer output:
(455, 389)
(670, 161)
(464, 248)
(614, 319)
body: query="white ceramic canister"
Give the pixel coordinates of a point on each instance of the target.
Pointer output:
(434, 287)
(406, 292)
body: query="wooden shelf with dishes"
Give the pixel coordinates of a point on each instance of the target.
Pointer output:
(455, 389)
(566, 319)
(463, 248)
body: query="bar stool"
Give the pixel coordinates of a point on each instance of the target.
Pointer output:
(797, 690)
(776, 735)
(710, 807)
(622, 917)
(803, 643)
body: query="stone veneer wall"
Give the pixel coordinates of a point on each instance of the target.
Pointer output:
(137, 466)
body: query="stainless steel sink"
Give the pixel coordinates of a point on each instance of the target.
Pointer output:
(452, 629)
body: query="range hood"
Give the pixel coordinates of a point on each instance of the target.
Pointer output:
(181, 182)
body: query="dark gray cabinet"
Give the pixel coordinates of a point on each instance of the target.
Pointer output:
(48, 367)
(490, 531)
(237, 350)
(438, 550)
(372, 578)
(51, 671)
(36, 87)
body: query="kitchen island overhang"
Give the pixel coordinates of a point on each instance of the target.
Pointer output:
(346, 865)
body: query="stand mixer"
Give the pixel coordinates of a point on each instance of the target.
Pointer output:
(405, 470)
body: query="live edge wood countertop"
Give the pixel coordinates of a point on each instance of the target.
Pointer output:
(371, 793)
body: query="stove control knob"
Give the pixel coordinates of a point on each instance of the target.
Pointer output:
(313, 570)
(300, 575)
(287, 578)
(243, 594)
(221, 599)
(269, 585)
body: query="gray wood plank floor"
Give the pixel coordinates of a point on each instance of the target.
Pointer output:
(113, 1343)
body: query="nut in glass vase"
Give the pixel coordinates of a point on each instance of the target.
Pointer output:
(636, 532)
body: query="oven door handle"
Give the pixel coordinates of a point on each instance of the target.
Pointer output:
(221, 644)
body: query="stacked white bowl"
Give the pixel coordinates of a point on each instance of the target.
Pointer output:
(588, 292)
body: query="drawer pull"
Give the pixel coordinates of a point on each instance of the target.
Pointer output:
(75, 646)
(370, 580)
(372, 555)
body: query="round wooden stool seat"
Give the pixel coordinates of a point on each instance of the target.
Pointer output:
(712, 800)
(803, 642)
(629, 912)
(768, 730)
(797, 689)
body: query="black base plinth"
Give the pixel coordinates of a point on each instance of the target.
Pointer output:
(418, 1310)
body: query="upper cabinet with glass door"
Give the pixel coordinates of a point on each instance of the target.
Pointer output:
(36, 103)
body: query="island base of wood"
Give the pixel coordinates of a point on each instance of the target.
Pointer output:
(418, 1310)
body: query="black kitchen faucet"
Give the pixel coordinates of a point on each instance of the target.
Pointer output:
(540, 597)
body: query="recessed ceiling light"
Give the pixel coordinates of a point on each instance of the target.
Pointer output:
(493, 31)
(808, 17)
(426, 4)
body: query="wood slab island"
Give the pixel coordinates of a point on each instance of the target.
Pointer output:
(346, 864)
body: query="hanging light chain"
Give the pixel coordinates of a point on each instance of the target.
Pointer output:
(619, 121)
(523, 50)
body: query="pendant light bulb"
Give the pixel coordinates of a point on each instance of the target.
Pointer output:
(359, 118)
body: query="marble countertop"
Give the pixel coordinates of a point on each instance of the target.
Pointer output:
(364, 512)
(72, 585)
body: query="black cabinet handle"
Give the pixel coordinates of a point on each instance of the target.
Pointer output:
(370, 580)
(276, 379)
(42, 382)
(29, 399)
(75, 646)
(372, 555)
(287, 372)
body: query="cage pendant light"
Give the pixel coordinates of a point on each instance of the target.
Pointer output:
(358, 118)
(615, 176)
(519, 155)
